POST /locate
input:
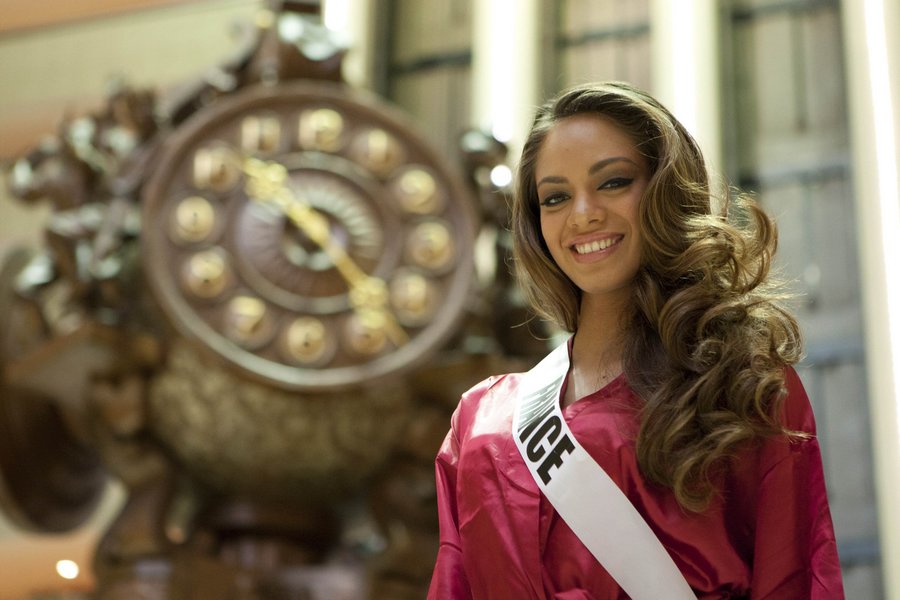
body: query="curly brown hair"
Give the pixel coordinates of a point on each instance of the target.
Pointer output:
(707, 340)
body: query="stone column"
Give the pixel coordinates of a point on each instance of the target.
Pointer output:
(685, 54)
(505, 68)
(355, 21)
(872, 53)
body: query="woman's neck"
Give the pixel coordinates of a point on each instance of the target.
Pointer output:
(596, 349)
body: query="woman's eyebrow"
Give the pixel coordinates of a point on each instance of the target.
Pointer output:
(607, 161)
(551, 179)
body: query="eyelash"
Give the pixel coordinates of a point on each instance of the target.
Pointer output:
(553, 200)
(611, 184)
(616, 182)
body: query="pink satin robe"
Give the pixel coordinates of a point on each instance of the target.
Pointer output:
(769, 534)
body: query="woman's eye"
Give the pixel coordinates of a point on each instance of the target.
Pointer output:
(616, 182)
(553, 200)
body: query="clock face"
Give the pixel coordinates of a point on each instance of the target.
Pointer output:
(308, 237)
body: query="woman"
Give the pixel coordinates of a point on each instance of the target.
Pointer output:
(677, 384)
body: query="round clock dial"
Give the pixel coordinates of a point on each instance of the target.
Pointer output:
(307, 237)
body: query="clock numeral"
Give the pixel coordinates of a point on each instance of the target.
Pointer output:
(193, 220)
(320, 129)
(413, 298)
(418, 192)
(430, 245)
(378, 151)
(260, 134)
(306, 341)
(366, 332)
(216, 168)
(205, 274)
(247, 321)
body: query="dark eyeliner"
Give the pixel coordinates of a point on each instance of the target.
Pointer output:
(552, 200)
(616, 183)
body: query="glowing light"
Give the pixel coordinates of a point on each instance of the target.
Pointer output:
(67, 569)
(501, 176)
(336, 14)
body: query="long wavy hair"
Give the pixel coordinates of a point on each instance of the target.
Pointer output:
(707, 339)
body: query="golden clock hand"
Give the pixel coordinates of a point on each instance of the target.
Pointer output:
(267, 182)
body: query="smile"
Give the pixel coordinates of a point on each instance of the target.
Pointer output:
(596, 245)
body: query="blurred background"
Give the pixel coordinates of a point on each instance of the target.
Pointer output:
(783, 94)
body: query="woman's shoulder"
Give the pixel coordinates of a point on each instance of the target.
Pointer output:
(490, 389)
(796, 417)
(796, 410)
(491, 400)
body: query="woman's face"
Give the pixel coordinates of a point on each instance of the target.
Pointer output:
(590, 179)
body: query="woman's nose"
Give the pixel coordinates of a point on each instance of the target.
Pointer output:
(586, 210)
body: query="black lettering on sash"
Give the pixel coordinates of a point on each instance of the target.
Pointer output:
(549, 429)
(532, 406)
(526, 431)
(555, 458)
(535, 408)
(534, 401)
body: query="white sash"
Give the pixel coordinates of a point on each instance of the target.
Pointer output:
(583, 494)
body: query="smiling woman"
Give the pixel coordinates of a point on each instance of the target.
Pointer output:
(670, 434)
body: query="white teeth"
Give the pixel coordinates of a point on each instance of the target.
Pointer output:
(595, 246)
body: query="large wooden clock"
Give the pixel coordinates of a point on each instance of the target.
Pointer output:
(305, 235)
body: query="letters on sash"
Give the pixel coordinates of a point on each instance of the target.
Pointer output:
(540, 432)
(583, 494)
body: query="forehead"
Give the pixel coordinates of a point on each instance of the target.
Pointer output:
(584, 137)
